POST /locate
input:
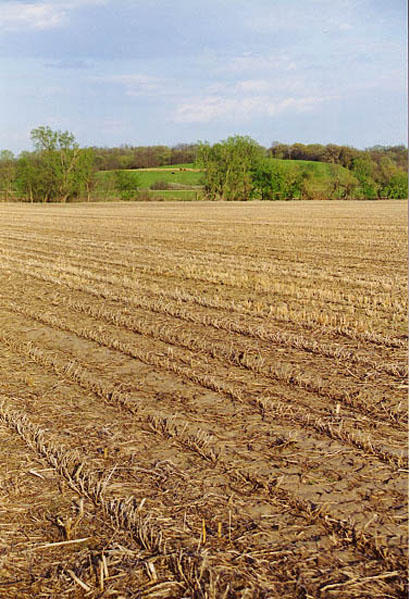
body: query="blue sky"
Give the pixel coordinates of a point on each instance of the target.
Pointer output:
(167, 71)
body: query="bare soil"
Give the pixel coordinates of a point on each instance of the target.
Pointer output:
(203, 400)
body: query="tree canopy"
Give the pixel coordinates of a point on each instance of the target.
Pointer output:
(237, 168)
(57, 170)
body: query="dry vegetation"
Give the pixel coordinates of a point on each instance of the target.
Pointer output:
(203, 400)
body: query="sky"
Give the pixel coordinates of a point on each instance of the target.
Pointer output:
(145, 72)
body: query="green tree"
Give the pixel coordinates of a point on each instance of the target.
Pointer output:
(32, 181)
(126, 184)
(57, 170)
(85, 181)
(364, 169)
(276, 181)
(398, 186)
(268, 179)
(7, 173)
(229, 167)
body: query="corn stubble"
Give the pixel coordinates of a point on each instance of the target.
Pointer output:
(203, 401)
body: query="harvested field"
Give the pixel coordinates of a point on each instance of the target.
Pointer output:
(203, 400)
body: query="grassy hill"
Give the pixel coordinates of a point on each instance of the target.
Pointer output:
(176, 176)
(184, 180)
(321, 174)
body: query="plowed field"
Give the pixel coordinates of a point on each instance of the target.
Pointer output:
(203, 400)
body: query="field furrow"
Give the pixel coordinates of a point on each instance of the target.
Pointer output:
(206, 448)
(203, 401)
(258, 309)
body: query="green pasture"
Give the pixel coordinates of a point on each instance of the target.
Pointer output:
(176, 166)
(145, 178)
(321, 174)
(320, 170)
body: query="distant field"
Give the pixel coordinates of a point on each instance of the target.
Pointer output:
(321, 170)
(322, 174)
(203, 400)
(145, 178)
(185, 165)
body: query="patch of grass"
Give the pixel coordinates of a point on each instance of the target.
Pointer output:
(177, 166)
(144, 179)
(320, 170)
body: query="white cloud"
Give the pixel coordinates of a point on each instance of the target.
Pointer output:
(15, 16)
(137, 84)
(212, 108)
(253, 85)
(253, 63)
(31, 15)
(307, 17)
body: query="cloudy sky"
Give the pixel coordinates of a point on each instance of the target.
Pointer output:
(170, 71)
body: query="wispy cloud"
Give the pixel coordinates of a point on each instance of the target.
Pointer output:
(317, 70)
(31, 15)
(317, 14)
(136, 84)
(69, 64)
(213, 108)
(39, 15)
(251, 62)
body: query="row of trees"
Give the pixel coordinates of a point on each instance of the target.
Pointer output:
(380, 171)
(343, 155)
(129, 157)
(238, 169)
(59, 170)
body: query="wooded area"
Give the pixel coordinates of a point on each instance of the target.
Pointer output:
(237, 168)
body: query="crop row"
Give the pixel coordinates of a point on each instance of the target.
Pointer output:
(204, 447)
(221, 239)
(257, 331)
(358, 400)
(189, 567)
(90, 251)
(302, 318)
(257, 282)
(265, 405)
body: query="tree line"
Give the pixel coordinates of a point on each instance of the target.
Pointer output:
(237, 168)
(343, 155)
(59, 170)
(130, 157)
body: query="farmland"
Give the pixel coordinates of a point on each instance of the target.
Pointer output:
(203, 400)
(190, 178)
(184, 182)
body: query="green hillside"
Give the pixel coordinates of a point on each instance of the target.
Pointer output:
(173, 177)
(183, 181)
(320, 170)
(144, 178)
(188, 165)
(321, 174)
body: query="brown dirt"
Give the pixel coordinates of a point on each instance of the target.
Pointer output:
(203, 400)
